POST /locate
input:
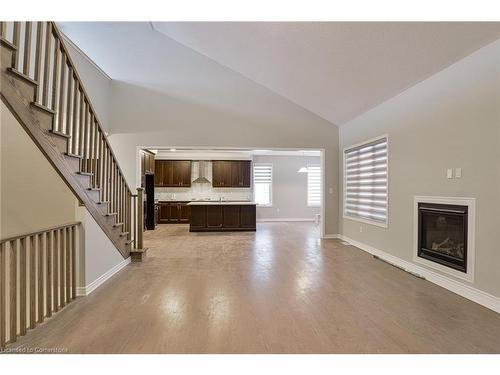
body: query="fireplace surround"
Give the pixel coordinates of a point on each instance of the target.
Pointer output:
(444, 234)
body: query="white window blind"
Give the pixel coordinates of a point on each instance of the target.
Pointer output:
(263, 183)
(313, 185)
(366, 176)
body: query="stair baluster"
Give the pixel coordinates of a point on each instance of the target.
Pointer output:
(57, 91)
(27, 48)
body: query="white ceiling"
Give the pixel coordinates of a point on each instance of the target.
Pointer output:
(335, 70)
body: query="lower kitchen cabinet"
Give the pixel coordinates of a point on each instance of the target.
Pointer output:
(173, 212)
(248, 217)
(231, 216)
(221, 217)
(214, 216)
(163, 213)
(198, 219)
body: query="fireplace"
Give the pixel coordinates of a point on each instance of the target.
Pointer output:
(442, 234)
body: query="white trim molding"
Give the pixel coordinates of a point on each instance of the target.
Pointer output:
(86, 290)
(471, 230)
(272, 219)
(331, 236)
(485, 299)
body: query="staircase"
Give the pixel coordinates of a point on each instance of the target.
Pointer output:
(40, 85)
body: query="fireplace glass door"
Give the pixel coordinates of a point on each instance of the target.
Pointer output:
(442, 233)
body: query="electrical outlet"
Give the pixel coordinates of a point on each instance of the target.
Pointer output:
(458, 172)
(360, 229)
(449, 173)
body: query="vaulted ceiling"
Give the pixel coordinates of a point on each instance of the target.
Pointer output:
(336, 70)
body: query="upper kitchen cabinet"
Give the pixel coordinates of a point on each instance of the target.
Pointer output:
(231, 173)
(173, 173)
(181, 175)
(147, 162)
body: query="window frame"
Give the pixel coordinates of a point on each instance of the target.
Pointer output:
(344, 190)
(318, 165)
(270, 184)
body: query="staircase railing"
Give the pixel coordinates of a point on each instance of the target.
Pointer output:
(41, 56)
(37, 278)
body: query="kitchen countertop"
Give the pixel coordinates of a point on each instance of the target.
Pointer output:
(222, 203)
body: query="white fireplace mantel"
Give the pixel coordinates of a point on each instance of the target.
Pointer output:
(471, 228)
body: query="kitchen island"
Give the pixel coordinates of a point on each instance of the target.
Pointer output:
(222, 216)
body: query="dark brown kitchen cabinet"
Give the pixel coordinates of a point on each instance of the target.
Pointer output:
(248, 217)
(184, 210)
(231, 216)
(220, 174)
(222, 217)
(173, 212)
(163, 213)
(231, 173)
(198, 218)
(173, 173)
(147, 162)
(214, 216)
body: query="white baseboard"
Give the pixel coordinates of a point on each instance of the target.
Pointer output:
(285, 219)
(485, 299)
(330, 236)
(86, 290)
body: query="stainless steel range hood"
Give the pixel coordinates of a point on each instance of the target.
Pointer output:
(202, 173)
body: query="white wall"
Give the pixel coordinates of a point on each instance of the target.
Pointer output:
(169, 95)
(100, 254)
(289, 188)
(143, 118)
(96, 83)
(449, 120)
(33, 196)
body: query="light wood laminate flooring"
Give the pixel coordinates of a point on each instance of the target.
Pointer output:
(279, 290)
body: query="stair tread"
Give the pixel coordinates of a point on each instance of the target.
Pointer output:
(22, 76)
(93, 189)
(111, 213)
(37, 118)
(60, 134)
(43, 108)
(122, 234)
(118, 224)
(85, 173)
(73, 155)
(7, 44)
(128, 242)
(103, 202)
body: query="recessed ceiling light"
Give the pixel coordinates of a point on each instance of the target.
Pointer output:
(172, 149)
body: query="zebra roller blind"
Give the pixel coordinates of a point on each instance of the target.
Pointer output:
(366, 176)
(313, 185)
(263, 182)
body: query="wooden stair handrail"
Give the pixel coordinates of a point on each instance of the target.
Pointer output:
(56, 31)
(77, 146)
(42, 265)
(49, 229)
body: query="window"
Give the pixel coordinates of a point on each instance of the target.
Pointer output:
(365, 182)
(263, 184)
(313, 185)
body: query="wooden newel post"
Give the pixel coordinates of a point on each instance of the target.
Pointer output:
(140, 216)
